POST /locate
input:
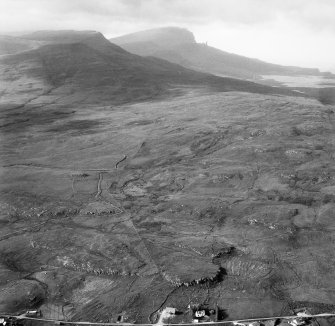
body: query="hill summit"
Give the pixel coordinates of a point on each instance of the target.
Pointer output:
(92, 39)
(165, 36)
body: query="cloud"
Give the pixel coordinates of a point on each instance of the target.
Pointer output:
(24, 13)
(293, 23)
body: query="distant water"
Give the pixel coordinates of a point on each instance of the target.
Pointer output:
(302, 81)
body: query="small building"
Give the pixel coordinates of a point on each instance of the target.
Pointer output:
(200, 313)
(297, 322)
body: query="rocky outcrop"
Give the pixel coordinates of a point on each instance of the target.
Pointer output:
(221, 273)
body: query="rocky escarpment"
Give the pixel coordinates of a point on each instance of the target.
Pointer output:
(217, 278)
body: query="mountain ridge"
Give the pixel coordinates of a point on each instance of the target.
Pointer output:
(87, 63)
(201, 57)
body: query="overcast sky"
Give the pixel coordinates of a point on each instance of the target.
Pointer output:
(290, 32)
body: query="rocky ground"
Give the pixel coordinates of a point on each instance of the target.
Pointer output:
(220, 198)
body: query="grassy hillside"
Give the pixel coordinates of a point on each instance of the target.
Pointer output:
(10, 45)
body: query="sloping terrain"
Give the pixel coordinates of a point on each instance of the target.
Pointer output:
(179, 46)
(219, 198)
(129, 184)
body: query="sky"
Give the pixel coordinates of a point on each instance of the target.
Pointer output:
(289, 32)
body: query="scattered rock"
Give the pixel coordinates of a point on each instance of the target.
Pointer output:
(100, 208)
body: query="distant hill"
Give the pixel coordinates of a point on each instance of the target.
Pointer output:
(87, 67)
(91, 38)
(161, 37)
(11, 45)
(178, 45)
(60, 36)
